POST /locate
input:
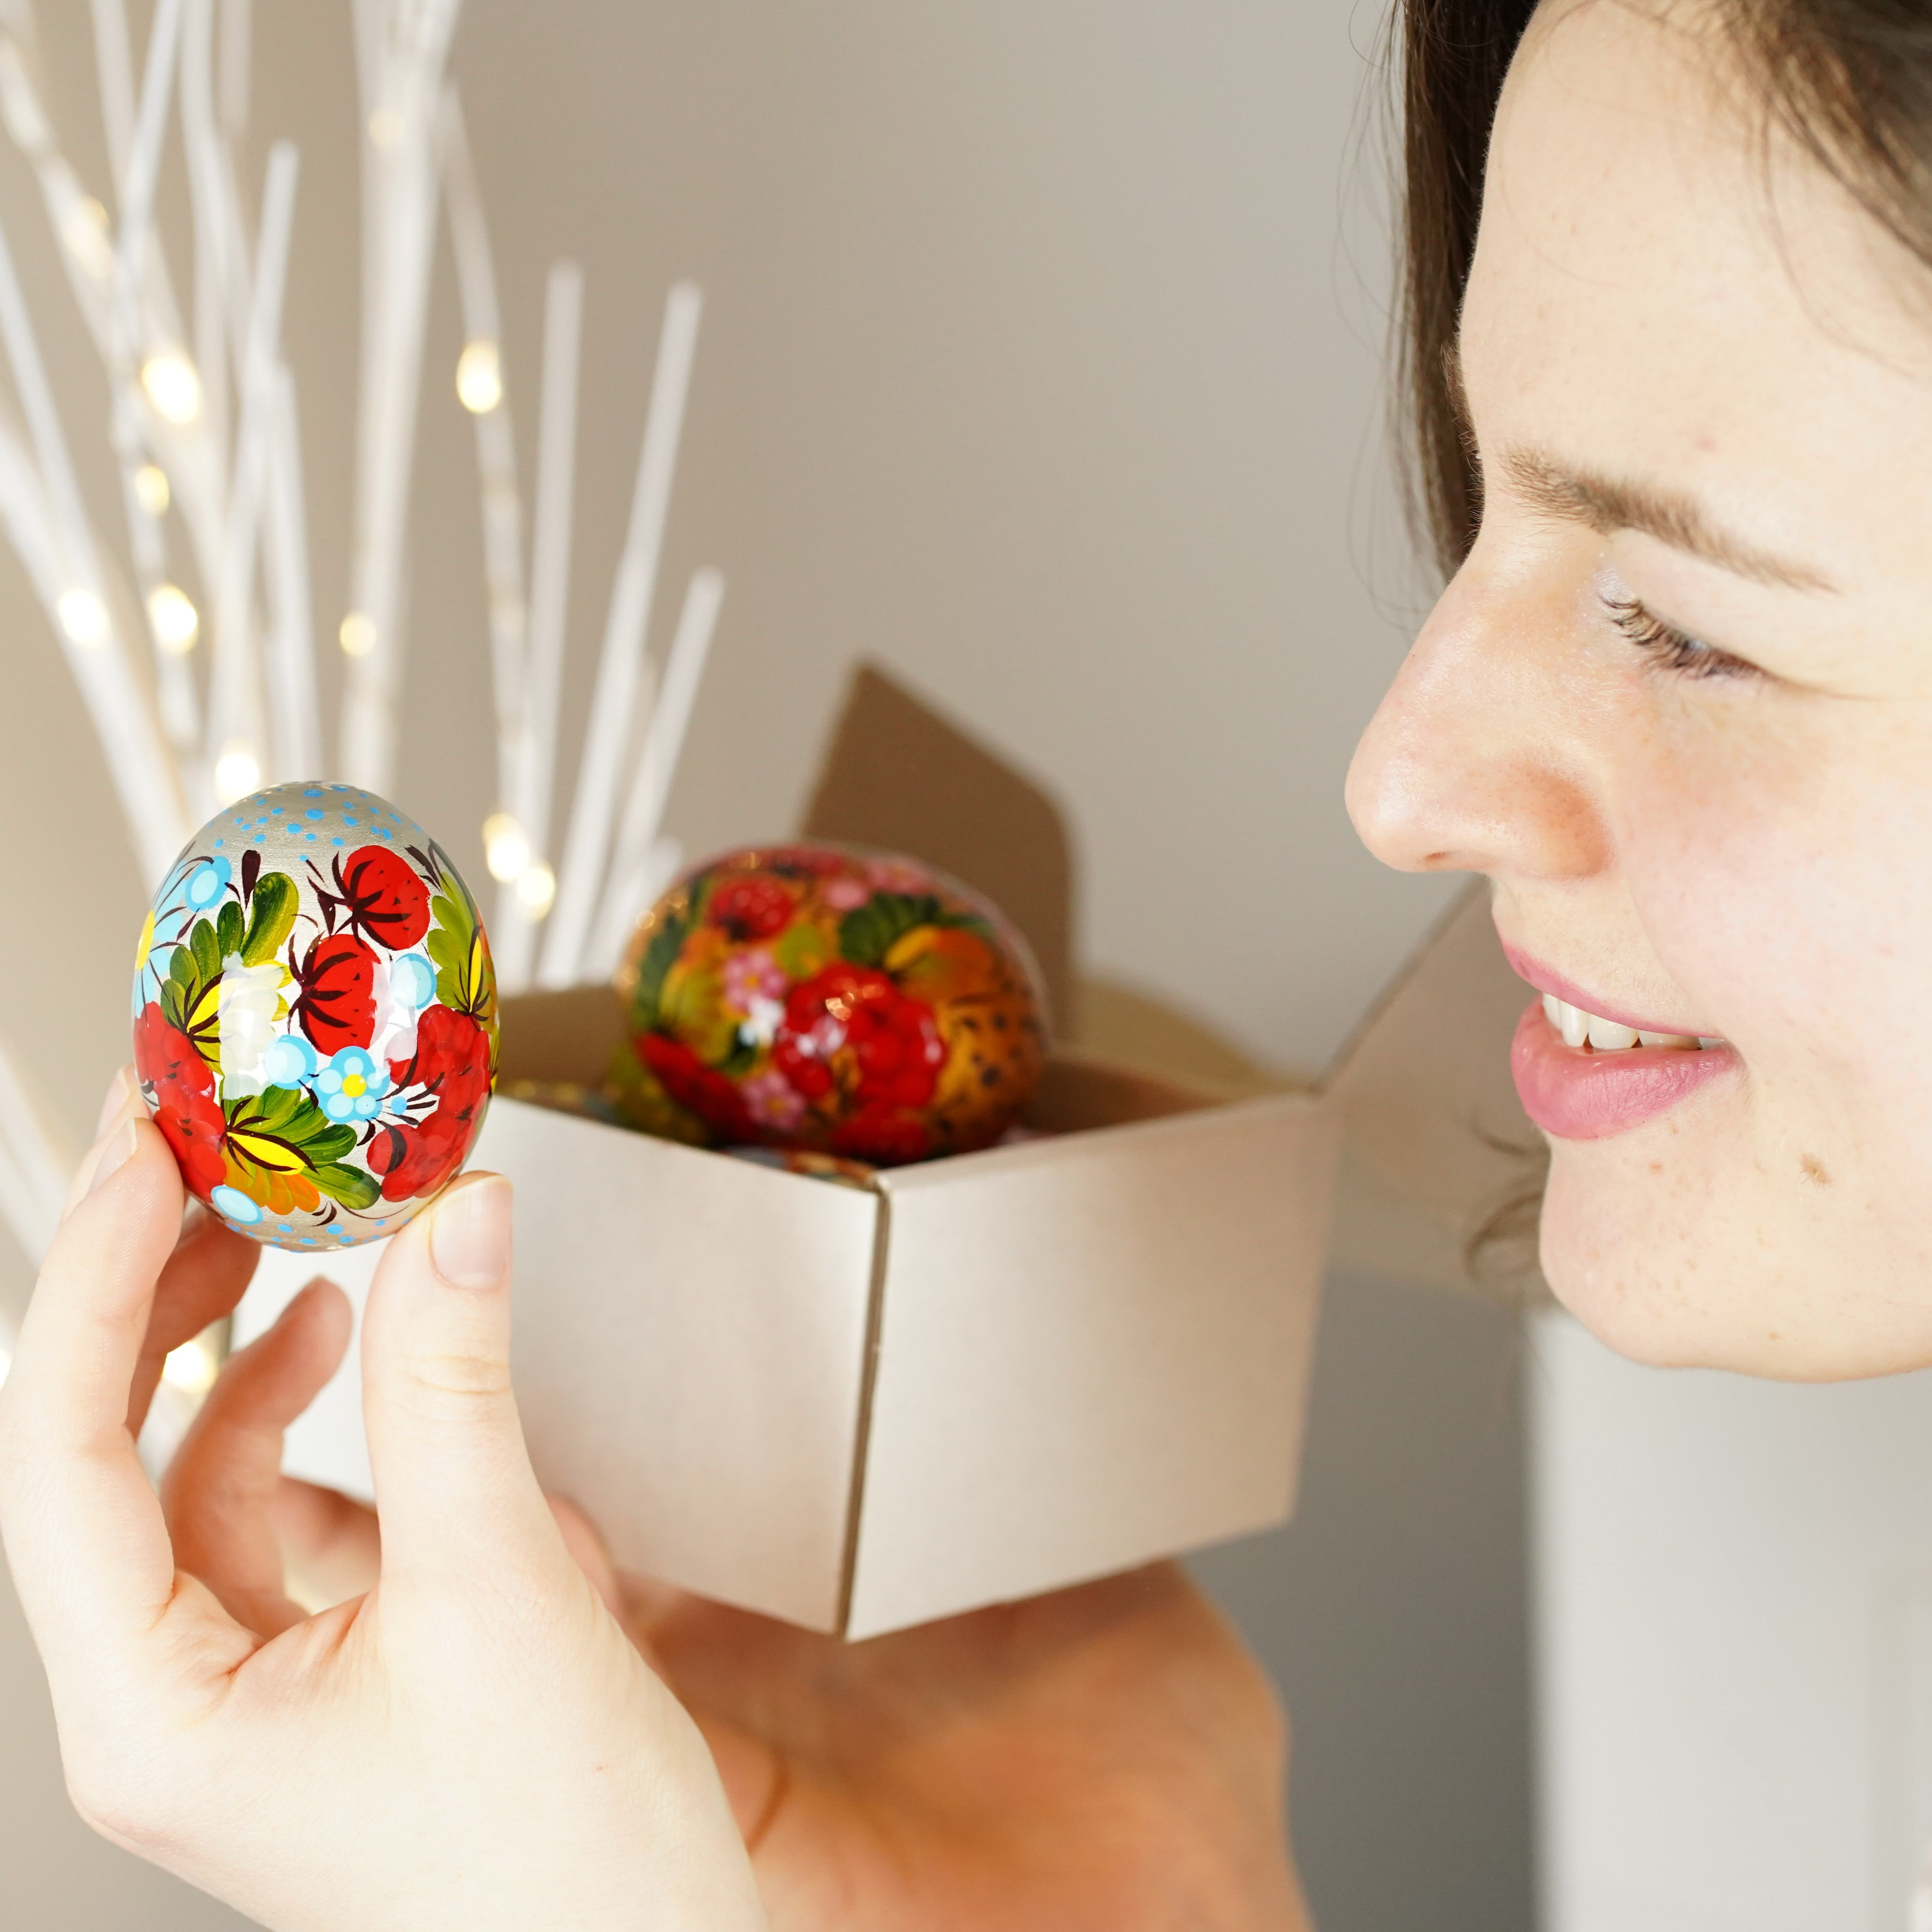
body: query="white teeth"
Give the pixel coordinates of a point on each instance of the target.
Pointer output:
(1573, 1025)
(1602, 1036)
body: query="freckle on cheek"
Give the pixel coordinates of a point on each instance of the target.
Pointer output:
(1814, 1170)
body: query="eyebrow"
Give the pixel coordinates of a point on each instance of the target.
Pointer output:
(1572, 493)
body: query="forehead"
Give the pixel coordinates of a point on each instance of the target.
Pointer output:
(1658, 289)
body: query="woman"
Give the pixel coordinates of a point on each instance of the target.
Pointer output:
(1675, 402)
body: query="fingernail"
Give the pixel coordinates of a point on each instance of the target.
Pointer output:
(118, 1089)
(469, 1234)
(115, 1152)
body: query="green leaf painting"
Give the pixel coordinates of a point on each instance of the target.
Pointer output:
(647, 993)
(283, 1129)
(354, 1187)
(272, 918)
(868, 932)
(206, 951)
(191, 994)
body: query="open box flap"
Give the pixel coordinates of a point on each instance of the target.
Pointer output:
(1430, 1116)
(899, 775)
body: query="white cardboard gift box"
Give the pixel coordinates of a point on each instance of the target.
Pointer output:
(985, 1376)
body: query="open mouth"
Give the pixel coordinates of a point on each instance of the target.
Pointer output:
(1582, 1077)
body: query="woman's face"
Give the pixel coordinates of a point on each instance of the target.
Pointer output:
(1678, 705)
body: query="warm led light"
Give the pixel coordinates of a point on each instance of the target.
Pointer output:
(150, 489)
(385, 127)
(536, 889)
(85, 229)
(173, 386)
(83, 616)
(237, 772)
(176, 622)
(506, 850)
(357, 634)
(191, 1368)
(479, 377)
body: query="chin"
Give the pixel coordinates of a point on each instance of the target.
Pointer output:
(1677, 1266)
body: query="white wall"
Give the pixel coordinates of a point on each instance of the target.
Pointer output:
(1734, 1611)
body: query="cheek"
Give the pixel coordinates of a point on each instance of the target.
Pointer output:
(1783, 877)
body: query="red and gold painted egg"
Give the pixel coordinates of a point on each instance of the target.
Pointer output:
(829, 1000)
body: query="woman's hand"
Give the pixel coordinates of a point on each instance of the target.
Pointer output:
(1108, 1757)
(474, 1743)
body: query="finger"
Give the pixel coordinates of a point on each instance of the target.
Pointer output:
(123, 1102)
(454, 1491)
(218, 1489)
(331, 1549)
(83, 1528)
(201, 1281)
(585, 1542)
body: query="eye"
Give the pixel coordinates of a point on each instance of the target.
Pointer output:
(1670, 649)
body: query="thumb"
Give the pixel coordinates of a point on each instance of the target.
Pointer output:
(585, 1542)
(454, 1491)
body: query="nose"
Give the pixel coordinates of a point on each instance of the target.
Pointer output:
(1478, 759)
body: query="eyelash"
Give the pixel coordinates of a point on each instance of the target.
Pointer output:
(1669, 648)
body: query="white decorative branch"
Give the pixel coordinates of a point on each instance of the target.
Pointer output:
(234, 705)
(530, 795)
(114, 64)
(636, 873)
(35, 1166)
(480, 368)
(294, 705)
(137, 758)
(235, 35)
(621, 671)
(401, 46)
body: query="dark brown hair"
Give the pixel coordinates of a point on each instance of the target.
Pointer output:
(1850, 81)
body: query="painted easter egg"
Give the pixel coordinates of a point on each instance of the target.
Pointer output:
(831, 1000)
(315, 1016)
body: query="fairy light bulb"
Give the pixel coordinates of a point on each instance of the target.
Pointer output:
(479, 377)
(237, 772)
(150, 489)
(505, 849)
(191, 1368)
(176, 622)
(536, 889)
(173, 386)
(357, 634)
(85, 232)
(83, 617)
(385, 127)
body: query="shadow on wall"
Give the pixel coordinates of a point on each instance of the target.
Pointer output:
(1393, 1612)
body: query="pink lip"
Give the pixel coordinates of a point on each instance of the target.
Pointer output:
(1577, 1095)
(1545, 979)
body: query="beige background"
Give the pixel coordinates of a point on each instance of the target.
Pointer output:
(1041, 362)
